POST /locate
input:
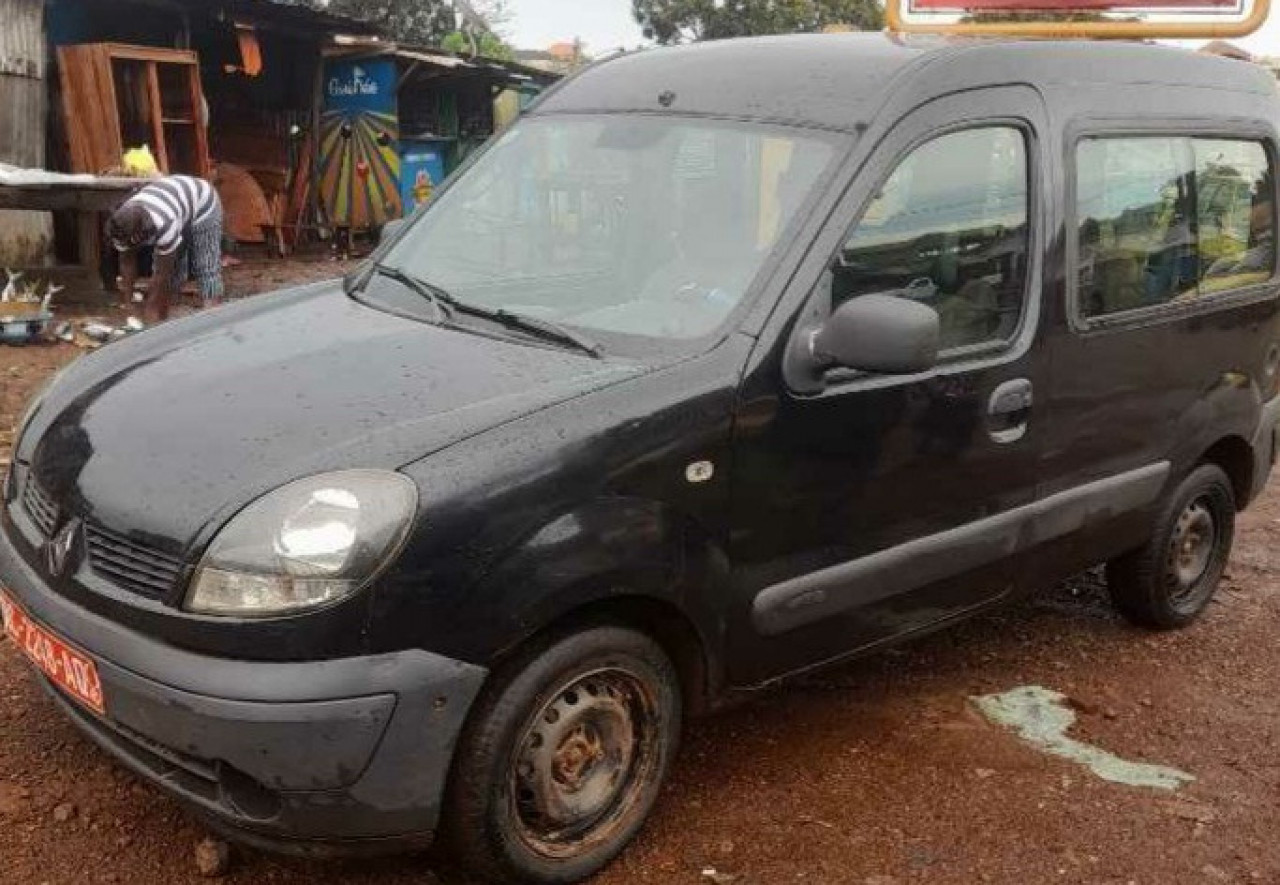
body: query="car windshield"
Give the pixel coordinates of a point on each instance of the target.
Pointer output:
(645, 226)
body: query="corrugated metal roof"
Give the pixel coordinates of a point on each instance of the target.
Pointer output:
(22, 123)
(511, 73)
(289, 10)
(22, 89)
(25, 237)
(443, 61)
(22, 38)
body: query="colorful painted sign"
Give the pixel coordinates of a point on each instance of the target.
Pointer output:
(359, 131)
(421, 172)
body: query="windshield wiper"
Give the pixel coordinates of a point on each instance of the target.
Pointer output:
(445, 301)
(546, 329)
(437, 296)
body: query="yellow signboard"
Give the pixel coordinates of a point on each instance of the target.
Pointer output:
(1115, 19)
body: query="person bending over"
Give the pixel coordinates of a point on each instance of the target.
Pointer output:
(180, 217)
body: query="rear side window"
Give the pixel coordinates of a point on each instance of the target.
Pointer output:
(1168, 219)
(948, 228)
(1235, 190)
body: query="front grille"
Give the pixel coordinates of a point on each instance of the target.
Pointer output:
(129, 565)
(41, 509)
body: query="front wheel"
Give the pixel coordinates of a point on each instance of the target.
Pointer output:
(563, 757)
(1169, 581)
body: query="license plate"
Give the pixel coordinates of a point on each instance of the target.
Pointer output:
(71, 670)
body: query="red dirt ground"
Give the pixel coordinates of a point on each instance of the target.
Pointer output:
(875, 773)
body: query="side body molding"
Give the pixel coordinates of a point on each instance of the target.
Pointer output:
(915, 564)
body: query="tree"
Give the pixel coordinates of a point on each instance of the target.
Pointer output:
(679, 21)
(433, 22)
(488, 44)
(413, 21)
(488, 15)
(480, 22)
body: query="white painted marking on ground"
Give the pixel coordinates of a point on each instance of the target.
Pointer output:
(1041, 717)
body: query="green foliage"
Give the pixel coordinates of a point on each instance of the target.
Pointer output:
(678, 21)
(433, 22)
(487, 44)
(411, 21)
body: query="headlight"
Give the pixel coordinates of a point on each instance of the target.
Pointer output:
(305, 545)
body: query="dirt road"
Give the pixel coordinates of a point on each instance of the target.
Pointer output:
(875, 773)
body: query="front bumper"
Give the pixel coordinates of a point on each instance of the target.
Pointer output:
(311, 757)
(1265, 444)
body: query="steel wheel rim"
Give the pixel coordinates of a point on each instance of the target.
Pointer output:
(1192, 547)
(582, 762)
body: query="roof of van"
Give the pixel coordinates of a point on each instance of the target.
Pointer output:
(835, 80)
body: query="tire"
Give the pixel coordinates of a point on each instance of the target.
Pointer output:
(563, 757)
(1168, 582)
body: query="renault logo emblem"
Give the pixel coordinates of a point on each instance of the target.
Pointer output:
(58, 550)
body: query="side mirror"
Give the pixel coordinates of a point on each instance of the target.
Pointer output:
(883, 334)
(390, 229)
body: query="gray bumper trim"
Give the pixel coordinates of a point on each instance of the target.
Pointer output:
(920, 562)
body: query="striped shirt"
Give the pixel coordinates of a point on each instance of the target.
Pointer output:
(175, 203)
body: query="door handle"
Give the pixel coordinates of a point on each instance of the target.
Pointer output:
(1008, 410)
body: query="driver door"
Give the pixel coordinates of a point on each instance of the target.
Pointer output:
(872, 507)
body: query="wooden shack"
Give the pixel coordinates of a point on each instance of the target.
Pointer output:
(222, 89)
(396, 120)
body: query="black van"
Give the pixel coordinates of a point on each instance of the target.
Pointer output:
(726, 362)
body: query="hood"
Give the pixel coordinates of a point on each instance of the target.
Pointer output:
(178, 427)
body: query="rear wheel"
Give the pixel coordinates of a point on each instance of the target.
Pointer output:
(1170, 580)
(564, 757)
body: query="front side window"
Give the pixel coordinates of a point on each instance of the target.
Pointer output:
(643, 226)
(949, 228)
(1169, 219)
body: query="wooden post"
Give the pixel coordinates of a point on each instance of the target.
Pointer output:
(317, 100)
(89, 246)
(201, 121)
(157, 117)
